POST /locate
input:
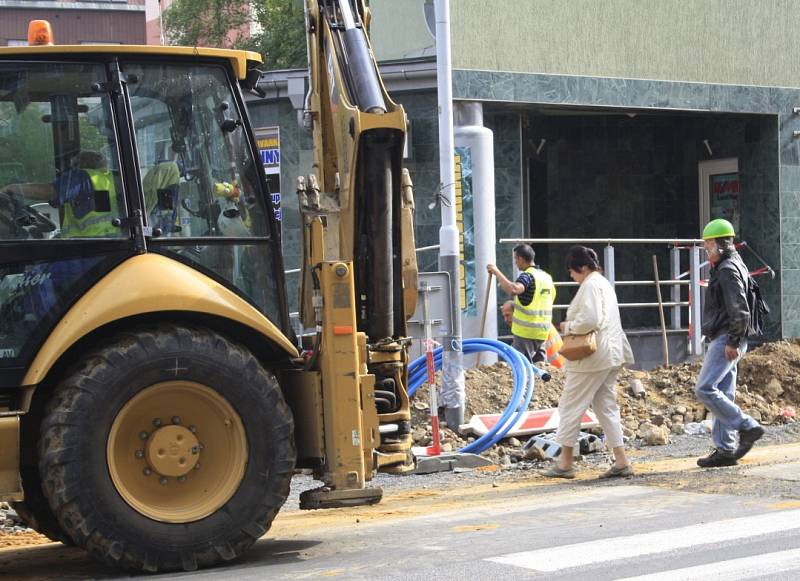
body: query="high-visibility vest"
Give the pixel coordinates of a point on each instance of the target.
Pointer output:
(95, 223)
(533, 321)
(552, 347)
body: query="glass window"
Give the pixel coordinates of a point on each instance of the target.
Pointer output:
(34, 296)
(249, 268)
(198, 175)
(59, 170)
(200, 179)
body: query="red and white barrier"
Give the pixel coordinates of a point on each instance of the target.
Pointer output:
(533, 422)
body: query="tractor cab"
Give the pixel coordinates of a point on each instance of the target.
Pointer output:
(110, 152)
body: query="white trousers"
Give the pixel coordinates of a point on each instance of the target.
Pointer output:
(598, 389)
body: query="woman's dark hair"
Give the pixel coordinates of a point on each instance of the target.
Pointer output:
(725, 244)
(580, 256)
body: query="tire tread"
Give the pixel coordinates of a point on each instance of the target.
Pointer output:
(58, 452)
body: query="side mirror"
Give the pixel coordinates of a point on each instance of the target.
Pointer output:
(250, 82)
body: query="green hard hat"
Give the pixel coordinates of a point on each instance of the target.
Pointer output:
(718, 228)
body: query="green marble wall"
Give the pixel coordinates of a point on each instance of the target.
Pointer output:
(763, 140)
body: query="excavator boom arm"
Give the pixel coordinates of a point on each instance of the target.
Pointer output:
(357, 210)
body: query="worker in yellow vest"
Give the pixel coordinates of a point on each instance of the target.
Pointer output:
(533, 293)
(87, 198)
(85, 194)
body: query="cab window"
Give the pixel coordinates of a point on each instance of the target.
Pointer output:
(59, 170)
(200, 181)
(198, 175)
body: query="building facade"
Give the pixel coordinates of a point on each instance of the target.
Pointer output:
(75, 21)
(154, 11)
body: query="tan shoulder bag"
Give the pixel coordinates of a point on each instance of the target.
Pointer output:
(579, 346)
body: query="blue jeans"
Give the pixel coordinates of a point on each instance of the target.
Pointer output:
(716, 389)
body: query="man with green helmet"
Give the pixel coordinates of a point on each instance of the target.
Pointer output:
(726, 319)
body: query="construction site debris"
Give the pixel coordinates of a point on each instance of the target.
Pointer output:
(637, 388)
(530, 423)
(697, 428)
(653, 435)
(543, 446)
(768, 389)
(14, 533)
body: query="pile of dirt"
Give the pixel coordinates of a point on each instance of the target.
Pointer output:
(768, 389)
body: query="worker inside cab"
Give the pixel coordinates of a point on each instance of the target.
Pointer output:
(85, 194)
(58, 151)
(161, 186)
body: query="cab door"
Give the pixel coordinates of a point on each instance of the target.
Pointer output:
(204, 191)
(63, 203)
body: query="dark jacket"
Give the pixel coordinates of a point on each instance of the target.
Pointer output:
(726, 309)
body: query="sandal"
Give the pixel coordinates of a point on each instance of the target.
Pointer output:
(615, 472)
(556, 472)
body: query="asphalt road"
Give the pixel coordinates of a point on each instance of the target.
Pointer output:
(603, 532)
(669, 523)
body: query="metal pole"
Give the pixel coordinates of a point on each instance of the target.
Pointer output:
(514, 270)
(452, 356)
(487, 294)
(664, 340)
(435, 448)
(608, 264)
(695, 314)
(586, 241)
(675, 270)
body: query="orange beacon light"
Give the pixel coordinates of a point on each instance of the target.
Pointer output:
(40, 33)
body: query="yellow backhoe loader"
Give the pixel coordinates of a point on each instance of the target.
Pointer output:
(154, 402)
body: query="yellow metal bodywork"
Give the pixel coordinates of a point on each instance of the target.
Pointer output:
(148, 283)
(351, 421)
(338, 128)
(10, 484)
(303, 393)
(237, 58)
(408, 251)
(177, 452)
(349, 368)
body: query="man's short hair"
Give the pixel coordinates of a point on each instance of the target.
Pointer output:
(509, 304)
(525, 252)
(90, 159)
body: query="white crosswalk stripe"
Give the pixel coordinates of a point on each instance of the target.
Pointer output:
(732, 570)
(653, 543)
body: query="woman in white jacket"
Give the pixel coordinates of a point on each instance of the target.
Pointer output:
(592, 380)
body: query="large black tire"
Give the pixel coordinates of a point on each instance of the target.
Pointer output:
(35, 510)
(75, 434)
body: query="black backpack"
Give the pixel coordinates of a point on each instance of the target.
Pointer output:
(758, 309)
(755, 302)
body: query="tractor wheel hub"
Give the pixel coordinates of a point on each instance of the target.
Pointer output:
(172, 450)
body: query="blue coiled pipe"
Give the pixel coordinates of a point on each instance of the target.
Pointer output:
(523, 371)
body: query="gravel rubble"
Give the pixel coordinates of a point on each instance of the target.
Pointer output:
(654, 425)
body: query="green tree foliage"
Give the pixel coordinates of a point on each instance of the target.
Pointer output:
(26, 152)
(26, 143)
(91, 136)
(278, 28)
(282, 36)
